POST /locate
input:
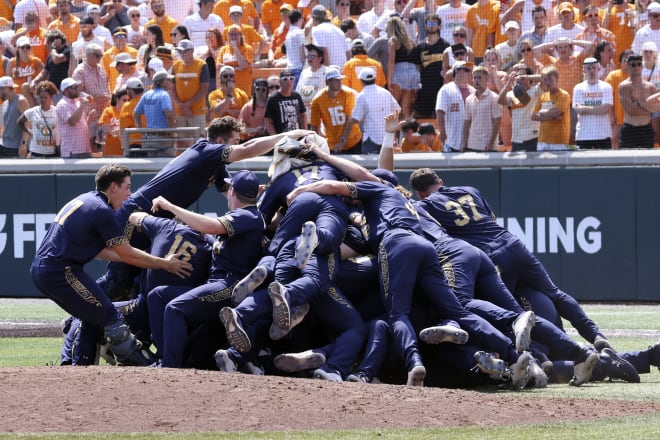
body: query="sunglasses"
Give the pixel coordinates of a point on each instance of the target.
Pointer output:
(463, 69)
(636, 64)
(135, 15)
(260, 89)
(273, 87)
(25, 47)
(173, 34)
(431, 23)
(287, 78)
(227, 75)
(344, 4)
(311, 56)
(525, 49)
(654, 15)
(460, 35)
(460, 53)
(591, 15)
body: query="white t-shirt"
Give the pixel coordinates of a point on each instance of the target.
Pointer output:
(373, 103)
(451, 17)
(309, 84)
(197, 27)
(523, 128)
(593, 127)
(450, 101)
(333, 39)
(558, 31)
(295, 39)
(367, 21)
(643, 35)
(43, 126)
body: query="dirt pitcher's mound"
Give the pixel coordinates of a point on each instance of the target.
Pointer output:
(113, 399)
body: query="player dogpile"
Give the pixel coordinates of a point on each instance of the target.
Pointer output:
(329, 271)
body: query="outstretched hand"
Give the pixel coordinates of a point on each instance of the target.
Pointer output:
(392, 122)
(160, 202)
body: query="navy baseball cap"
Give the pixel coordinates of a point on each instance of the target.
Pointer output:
(245, 183)
(386, 175)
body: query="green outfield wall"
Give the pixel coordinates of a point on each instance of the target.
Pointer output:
(592, 217)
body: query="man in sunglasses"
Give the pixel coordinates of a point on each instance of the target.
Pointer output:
(430, 66)
(452, 14)
(285, 109)
(539, 32)
(227, 100)
(650, 32)
(637, 131)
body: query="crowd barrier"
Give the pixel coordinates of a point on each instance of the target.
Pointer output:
(590, 216)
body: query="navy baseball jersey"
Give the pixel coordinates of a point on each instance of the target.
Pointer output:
(385, 208)
(183, 180)
(82, 228)
(464, 213)
(169, 237)
(242, 246)
(274, 197)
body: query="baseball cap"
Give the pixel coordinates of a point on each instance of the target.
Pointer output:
(6, 81)
(386, 175)
(156, 64)
(511, 24)
(426, 128)
(333, 73)
(653, 7)
(164, 52)
(565, 7)
(124, 58)
(458, 47)
(119, 32)
(467, 64)
(87, 20)
(590, 60)
(286, 8)
(245, 183)
(65, 84)
(367, 74)
(358, 42)
(161, 75)
(93, 8)
(635, 57)
(23, 41)
(134, 84)
(319, 11)
(235, 9)
(185, 45)
(649, 45)
(286, 72)
(227, 69)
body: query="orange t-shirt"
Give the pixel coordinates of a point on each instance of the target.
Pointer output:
(109, 58)
(620, 27)
(70, 30)
(270, 14)
(112, 146)
(26, 71)
(250, 14)
(38, 42)
(483, 21)
(240, 99)
(166, 24)
(187, 84)
(615, 78)
(334, 112)
(555, 131)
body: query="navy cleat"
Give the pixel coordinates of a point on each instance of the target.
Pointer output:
(248, 284)
(359, 377)
(489, 364)
(294, 362)
(522, 328)
(617, 367)
(281, 309)
(306, 244)
(236, 336)
(224, 362)
(582, 371)
(297, 315)
(520, 371)
(444, 333)
(332, 376)
(654, 355)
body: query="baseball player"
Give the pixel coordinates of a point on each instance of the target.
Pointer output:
(85, 228)
(241, 235)
(465, 214)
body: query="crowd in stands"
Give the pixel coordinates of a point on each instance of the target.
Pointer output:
(484, 75)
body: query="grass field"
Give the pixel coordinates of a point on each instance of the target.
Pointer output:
(631, 327)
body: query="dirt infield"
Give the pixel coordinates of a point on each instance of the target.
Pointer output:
(116, 399)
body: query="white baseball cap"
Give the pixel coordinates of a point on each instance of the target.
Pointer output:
(66, 83)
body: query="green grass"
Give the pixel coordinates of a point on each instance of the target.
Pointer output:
(42, 351)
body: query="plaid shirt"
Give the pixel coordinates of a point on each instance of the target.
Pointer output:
(74, 138)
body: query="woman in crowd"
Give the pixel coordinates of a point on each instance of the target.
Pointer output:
(134, 29)
(459, 36)
(604, 53)
(24, 67)
(237, 54)
(147, 51)
(252, 113)
(41, 123)
(109, 123)
(402, 72)
(213, 44)
(528, 57)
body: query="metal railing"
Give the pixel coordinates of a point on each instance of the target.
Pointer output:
(157, 142)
